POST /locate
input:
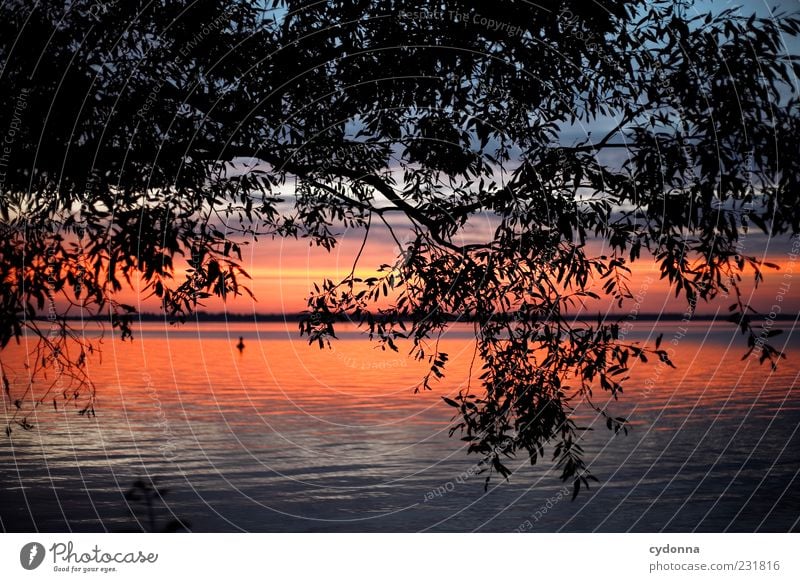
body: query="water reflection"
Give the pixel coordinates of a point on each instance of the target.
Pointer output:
(280, 436)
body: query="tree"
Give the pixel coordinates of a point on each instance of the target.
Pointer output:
(145, 133)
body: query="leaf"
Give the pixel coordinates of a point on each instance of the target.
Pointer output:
(451, 402)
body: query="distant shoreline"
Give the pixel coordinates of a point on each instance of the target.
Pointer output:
(202, 316)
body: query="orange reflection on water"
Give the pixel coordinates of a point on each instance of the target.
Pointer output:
(196, 372)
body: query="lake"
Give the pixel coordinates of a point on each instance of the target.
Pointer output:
(287, 437)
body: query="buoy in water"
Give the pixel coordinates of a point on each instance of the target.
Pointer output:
(240, 345)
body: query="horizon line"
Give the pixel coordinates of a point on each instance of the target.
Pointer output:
(298, 316)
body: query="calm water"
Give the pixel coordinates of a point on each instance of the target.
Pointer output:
(285, 437)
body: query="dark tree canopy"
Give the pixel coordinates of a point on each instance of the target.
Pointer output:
(142, 134)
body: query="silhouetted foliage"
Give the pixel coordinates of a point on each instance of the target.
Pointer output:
(153, 134)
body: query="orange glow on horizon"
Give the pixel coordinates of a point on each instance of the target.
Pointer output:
(284, 272)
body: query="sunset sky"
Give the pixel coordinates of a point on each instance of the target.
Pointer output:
(284, 271)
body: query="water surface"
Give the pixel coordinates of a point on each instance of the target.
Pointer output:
(287, 437)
